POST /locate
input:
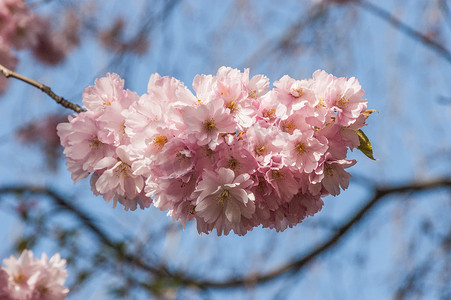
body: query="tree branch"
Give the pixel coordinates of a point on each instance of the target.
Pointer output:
(404, 28)
(58, 99)
(182, 279)
(85, 219)
(296, 265)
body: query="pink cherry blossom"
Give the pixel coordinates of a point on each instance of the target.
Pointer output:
(81, 141)
(232, 88)
(305, 150)
(224, 199)
(106, 90)
(231, 156)
(206, 121)
(117, 181)
(281, 178)
(29, 278)
(335, 176)
(264, 142)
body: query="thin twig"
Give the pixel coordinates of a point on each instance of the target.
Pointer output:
(58, 99)
(406, 29)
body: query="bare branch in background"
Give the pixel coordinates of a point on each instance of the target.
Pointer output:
(181, 279)
(58, 99)
(271, 46)
(406, 29)
(329, 244)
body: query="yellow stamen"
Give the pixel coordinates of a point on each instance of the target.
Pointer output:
(122, 169)
(95, 143)
(19, 278)
(321, 103)
(160, 141)
(269, 113)
(259, 150)
(107, 102)
(300, 92)
(288, 126)
(225, 194)
(232, 106)
(301, 148)
(342, 101)
(209, 125)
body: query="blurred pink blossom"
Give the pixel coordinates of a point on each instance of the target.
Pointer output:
(29, 278)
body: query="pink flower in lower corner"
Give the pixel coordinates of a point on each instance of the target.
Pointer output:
(30, 278)
(224, 200)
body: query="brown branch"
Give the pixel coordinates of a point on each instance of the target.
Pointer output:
(271, 46)
(58, 99)
(86, 220)
(182, 279)
(333, 241)
(404, 28)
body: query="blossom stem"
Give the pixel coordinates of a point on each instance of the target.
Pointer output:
(58, 99)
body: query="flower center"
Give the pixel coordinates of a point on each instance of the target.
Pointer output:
(19, 278)
(232, 163)
(209, 125)
(277, 174)
(232, 106)
(106, 102)
(123, 169)
(328, 170)
(301, 148)
(288, 126)
(225, 194)
(269, 113)
(160, 141)
(95, 143)
(299, 93)
(342, 101)
(321, 103)
(259, 150)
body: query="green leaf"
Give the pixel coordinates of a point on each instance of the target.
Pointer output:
(365, 145)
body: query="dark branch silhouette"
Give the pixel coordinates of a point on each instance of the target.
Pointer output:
(406, 29)
(289, 268)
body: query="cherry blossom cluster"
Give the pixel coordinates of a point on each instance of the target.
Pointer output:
(20, 29)
(30, 278)
(232, 156)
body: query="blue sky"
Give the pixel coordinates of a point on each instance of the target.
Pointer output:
(403, 79)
